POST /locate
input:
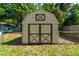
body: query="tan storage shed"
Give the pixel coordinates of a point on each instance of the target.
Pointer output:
(40, 27)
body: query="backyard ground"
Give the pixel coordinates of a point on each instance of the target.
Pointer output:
(10, 48)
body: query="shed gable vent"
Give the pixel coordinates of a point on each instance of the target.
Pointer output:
(40, 17)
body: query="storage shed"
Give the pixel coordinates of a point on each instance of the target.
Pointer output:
(40, 27)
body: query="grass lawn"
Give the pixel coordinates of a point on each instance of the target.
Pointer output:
(37, 50)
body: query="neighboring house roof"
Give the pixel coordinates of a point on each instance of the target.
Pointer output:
(6, 28)
(7, 25)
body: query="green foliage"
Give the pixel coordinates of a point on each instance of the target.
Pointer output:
(60, 15)
(48, 6)
(73, 18)
(2, 11)
(63, 6)
(10, 21)
(60, 10)
(55, 9)
(15, 11)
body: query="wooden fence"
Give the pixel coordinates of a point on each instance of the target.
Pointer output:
(71, 31)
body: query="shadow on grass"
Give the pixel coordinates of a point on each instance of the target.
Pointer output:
(18, 41)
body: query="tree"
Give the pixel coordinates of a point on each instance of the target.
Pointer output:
(59, 9)
(73, 18)
(54, 8)
(16, 12)
(63, 6)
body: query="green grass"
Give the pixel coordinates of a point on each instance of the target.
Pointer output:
(37, 50)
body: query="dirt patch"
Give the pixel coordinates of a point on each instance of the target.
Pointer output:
(65, 39)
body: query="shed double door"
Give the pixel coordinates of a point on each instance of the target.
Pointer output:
(40, 33)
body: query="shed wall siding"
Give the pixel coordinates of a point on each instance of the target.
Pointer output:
(55, 33)
(25, 33)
